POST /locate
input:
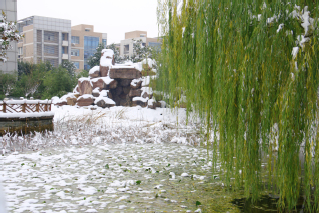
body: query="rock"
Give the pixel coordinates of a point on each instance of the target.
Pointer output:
(125, 82)
(126, 90)
(98, 83)
(85, 100)
(135, 93)
(124, 102)
(62, 103)
(84, 86)
(113, 84)
(139, 103)
(137, 85)
(158, 104)
(96, 93)
(104, 71)
(95, 74)
(125, 73)
(118, 90)
(101, 103)
(71, 101)
(123, 96)
(109, 95)
(146, 95)
(77, 95)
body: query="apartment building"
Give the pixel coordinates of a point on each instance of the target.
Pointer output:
(10, 8)
(126, 46)
(45, 39)
(54, 40)
(84, 42)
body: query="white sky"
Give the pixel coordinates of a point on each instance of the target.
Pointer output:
(114, 17)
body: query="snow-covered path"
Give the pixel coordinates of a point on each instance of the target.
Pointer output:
(104, 178)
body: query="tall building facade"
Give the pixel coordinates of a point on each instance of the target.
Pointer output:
(45, 39)
(10, 8)
(54, 40)
(84, 42)
(126, 46)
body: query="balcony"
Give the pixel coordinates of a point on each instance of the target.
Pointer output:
(65, 43)
(65, 56)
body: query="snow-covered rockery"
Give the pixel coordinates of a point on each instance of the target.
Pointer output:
(112, 84)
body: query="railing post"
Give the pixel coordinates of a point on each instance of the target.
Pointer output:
(23, 107)
(45, 107)
(4, 107)
(37, 107)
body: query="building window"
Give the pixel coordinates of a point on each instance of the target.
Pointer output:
(77, 64)
(87, 29)
(75, 52)
(90, 45)
(126, 49)
(49, 49)
(49, 36)
(104, 42)
(20, 51)
(75, 39)
(155, 45)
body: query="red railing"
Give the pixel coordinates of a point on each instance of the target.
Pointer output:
(25, 106)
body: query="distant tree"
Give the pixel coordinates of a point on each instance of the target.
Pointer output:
(83, 73)
(8, 33)
(58, 82)
(69, 66)
(7, 83)
(27, 67)
(140, 51)
(95, 59)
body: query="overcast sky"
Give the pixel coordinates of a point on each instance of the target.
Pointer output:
(114, 17)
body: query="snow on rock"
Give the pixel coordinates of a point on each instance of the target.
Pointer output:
(147, 80)
(94, 72)
(140, 99)
(149, 61)
(105, 99)
(104, 93)
(106, 58)
(86, 96)
(94, 69)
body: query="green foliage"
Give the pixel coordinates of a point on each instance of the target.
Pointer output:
(95, 59)
(39, 80)
(140, 51)
(57, 83)
(83, 73)
(237, 71)
(7, 84)
(69, 66)
(8, 34)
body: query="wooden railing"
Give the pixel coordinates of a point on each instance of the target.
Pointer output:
(25, 106)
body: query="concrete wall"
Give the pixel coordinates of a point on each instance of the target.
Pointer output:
(10, 8)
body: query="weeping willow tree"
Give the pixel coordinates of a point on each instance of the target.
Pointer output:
(250, 69)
